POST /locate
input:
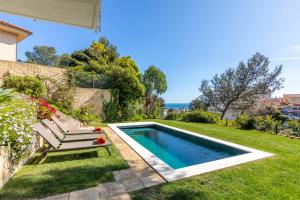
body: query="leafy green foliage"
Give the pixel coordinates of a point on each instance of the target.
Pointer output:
(200, 116)
(198, 104)
(86, 115)
(157, 109)
(238, 88)
(99, 66)
(173, 116)
(16, 120)
(155, 84)
(5, 94)
(42, 55)
(29, 85)
(264, 123)
(245, 121)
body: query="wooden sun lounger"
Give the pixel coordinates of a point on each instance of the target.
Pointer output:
(70, 137)
(66, 130)
(56, 145)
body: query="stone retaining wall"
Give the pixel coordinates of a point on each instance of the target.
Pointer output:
(83, 96)
(26, 69)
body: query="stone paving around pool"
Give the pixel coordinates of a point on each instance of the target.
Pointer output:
(140, 175)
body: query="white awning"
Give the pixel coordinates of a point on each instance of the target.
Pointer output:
(84, 13)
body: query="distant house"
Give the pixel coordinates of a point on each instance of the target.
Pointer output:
(291, 98)
(10, 35)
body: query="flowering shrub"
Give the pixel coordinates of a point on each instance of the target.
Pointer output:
(16, 119)
(44, 109)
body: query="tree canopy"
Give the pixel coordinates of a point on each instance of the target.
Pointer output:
(238, 88)
(155, 84)
(42, 55)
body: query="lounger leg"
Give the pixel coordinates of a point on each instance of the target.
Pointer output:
(107, 149)
(44, 153)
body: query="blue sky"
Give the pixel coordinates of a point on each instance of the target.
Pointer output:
(187, 39)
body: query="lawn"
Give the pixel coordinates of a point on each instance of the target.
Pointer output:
(277, 177)
(63, 172)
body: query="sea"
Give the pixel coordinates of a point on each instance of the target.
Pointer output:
(177, 106)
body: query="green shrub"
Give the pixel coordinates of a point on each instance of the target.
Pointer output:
(264, 123)
(294, 126)
(173, 116)
(245, 121)
(200, 116)
(138, 118)
(85, 115)
(16, 120)
(5, 94)
(28, 85)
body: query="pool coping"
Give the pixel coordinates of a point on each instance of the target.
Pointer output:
(171, 174)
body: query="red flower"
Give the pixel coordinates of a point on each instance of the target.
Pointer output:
(98, 129)
(100, 140)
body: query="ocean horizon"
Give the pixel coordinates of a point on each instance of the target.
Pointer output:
(177, 105)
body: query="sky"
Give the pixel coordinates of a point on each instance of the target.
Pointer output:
(189, 40)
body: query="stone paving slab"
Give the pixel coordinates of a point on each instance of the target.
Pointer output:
(124, 196)
(124, 174)
(87, 194)
(152, 180)
(111, 189)
(58, 197)
(132, 184)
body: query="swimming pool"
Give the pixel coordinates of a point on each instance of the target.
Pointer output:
(176, 153)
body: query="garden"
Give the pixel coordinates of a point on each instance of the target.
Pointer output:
(136, 97)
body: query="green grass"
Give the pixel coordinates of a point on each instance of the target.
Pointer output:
(277, 177)
(63, 172)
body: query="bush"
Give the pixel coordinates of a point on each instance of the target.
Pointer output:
(245, 121)
(294, 127)
(16, 119)
(5, 94)
(264, 123)
(173, 116)
(85, 115)
(28, 85)
(200, 116)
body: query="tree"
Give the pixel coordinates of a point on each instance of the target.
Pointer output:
(42, 55)
(238, 88)
(100, 52)
(155, 84)
(197, 104)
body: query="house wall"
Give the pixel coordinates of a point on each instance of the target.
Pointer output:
(8, 46)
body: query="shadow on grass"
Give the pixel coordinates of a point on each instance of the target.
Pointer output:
(166, 194)
(57, 181)
(38, 159)
(42, 177)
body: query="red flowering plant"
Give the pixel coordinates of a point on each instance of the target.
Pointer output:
(101, 140)
(44, 109)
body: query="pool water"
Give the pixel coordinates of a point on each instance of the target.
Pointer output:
(178, 149)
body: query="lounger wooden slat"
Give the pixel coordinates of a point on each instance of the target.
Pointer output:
(65, 146)
(69, 138)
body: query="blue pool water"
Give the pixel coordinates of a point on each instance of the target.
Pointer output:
(178, 149)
